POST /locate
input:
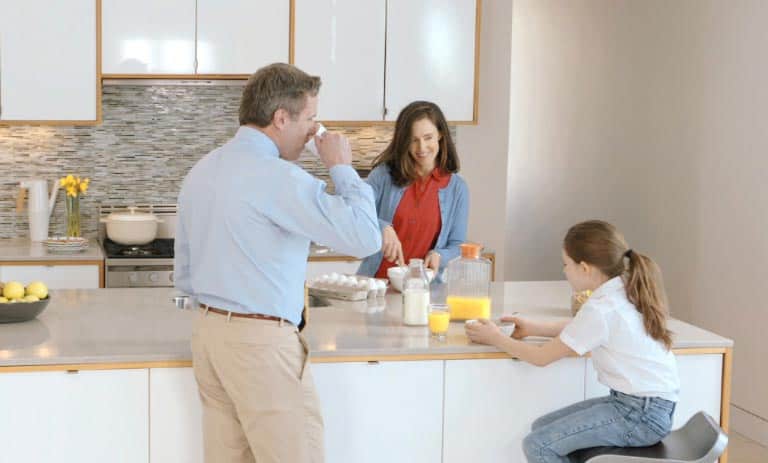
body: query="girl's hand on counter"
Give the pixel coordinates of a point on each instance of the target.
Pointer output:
(523, 327)
(484, 332)
(391, 246)
(432, 260)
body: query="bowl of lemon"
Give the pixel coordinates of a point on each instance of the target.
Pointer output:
(20, 303)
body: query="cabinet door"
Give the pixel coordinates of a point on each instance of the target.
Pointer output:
(148, 37)
(381, 412)
(315, 269)
(700, 386)
(431, 56)
(240, 36)
(342, 41)
(490, 405)
(54, 276)
(48, 60)
(88, 416)
(175, 416)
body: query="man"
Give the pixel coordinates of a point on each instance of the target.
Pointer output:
(246, 218)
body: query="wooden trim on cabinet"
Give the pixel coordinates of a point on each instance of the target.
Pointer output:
(476, 102)
(291, 31)
(52, 263)
(102, 275)
(322, 258)
(725, 397)
(341, 359)
(99, 116)
(178, 76)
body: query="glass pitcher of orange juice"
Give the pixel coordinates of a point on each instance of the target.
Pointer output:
(469, 284)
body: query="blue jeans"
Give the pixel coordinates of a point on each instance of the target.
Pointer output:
(618, 420)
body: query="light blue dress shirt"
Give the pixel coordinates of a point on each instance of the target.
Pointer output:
(246, 219)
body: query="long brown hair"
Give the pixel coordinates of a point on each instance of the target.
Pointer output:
(600, 244)
(401, 165)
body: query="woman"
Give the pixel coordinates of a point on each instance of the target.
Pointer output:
(421, 201)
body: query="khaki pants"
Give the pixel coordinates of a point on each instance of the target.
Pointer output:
(258, 397)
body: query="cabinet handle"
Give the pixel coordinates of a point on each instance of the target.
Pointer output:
(73, 372)
(373, 362)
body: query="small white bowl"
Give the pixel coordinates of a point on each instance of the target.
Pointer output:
(396, 275)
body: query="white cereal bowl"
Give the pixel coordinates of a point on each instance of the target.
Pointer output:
(397, 274)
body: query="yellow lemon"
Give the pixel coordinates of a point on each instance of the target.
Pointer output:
(3, 300)
(37, 289)
(31, 298)
(13, 290)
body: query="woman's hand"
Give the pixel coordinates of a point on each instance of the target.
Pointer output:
(391, 246)
(432, 260)
(484, 332)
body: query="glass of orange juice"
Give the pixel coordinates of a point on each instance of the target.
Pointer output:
(439, 320)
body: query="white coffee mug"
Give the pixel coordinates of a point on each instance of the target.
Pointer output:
(310, 146)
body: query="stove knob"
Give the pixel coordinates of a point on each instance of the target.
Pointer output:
(133, 277)
(153, 277)
(170, 277)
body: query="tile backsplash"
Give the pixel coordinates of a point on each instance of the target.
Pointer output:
(149, 138)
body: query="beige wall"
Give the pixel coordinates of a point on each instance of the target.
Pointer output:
(483, 148)
(653, 115)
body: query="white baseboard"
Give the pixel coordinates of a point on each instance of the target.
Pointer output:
(748, 425)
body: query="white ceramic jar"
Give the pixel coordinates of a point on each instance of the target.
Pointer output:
(131, 227)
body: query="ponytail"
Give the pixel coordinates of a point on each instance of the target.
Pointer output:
(646, 291)
(600, 244)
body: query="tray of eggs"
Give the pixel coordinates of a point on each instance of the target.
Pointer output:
(347, 287)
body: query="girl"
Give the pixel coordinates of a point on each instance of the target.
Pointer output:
(623, 325)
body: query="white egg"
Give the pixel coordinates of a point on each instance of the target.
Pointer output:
(362, 284)
(352, 279)
(372, 284)
(380, 284)
(335, 276)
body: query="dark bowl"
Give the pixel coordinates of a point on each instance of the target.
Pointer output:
(12, 312)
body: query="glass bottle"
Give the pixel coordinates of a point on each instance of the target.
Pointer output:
(416, 294)
(469, 284)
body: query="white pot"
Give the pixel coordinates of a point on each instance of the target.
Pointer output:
(131, 227)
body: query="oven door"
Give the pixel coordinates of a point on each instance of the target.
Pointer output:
(139, 273)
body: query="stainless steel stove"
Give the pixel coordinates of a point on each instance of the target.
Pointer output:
(148, 265)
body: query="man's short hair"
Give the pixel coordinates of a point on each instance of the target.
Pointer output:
(276, 86)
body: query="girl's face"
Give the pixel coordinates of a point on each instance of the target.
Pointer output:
(580, 275)
(425, 143)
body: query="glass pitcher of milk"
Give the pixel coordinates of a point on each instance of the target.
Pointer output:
(416, 294)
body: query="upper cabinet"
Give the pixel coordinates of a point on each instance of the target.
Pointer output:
(240, 36)
(146, 38)
(343, 42)
(376, 56)
(431, 56)
(48, 62)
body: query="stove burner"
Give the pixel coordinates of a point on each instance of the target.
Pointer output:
(159, 248)
(135, 251)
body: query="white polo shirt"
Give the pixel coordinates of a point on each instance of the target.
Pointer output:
(626, 358)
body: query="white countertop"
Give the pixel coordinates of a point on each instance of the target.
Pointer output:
(129, 325)
(22, 249)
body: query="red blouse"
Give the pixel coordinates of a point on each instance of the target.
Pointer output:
(417, 218)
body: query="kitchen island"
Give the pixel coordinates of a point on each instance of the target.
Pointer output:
(112, 367)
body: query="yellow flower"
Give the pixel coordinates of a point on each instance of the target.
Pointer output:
(74, 186)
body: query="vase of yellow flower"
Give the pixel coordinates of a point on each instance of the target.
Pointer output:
(74, 186)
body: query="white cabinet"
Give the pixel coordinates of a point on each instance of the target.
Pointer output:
(176, 418)
(190, 37)
(342, 41)
(431, 56)
(48, 66)
(54, 276)
(490, 405)
(148, 37)
(240, 36)
(376, 56)
(82, 417)
(700, 386)
(381, 412)
(344, 267)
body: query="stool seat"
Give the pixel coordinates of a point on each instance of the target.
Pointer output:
(700, 441)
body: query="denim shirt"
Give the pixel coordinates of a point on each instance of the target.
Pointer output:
(454, 212)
